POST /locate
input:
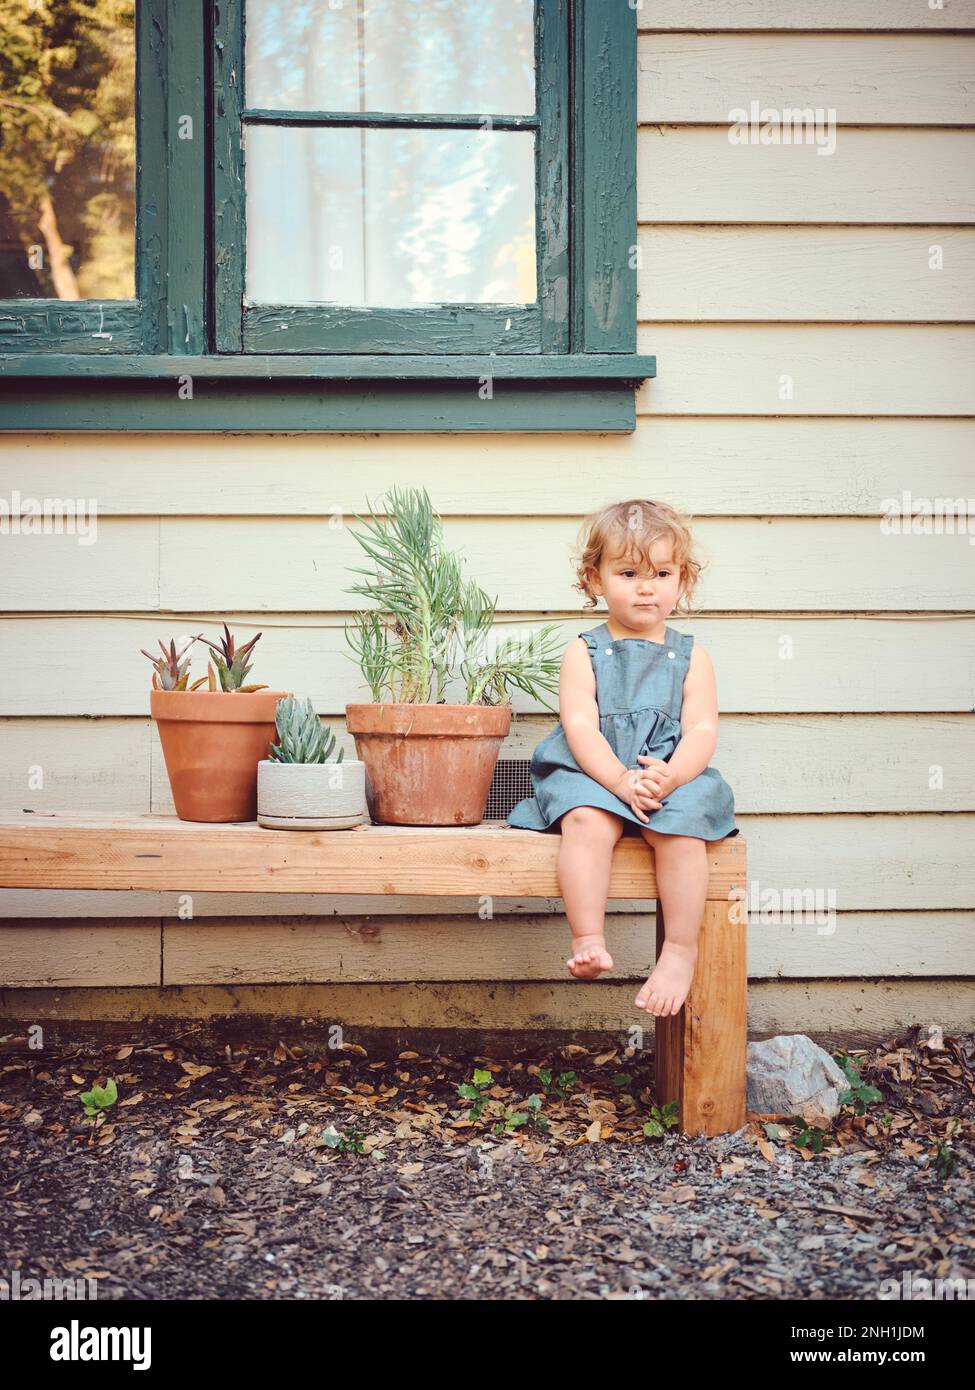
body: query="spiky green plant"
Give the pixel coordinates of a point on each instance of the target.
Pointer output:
(373, 648)
(231, 662)
(425, 609)
(302, 738)
(171, 671)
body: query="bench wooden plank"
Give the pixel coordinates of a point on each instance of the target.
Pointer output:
(164, 853)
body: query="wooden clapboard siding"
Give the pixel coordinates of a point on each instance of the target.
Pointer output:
(185, 559)
(757, 263)
(787, 663)
(352, 949)
(911, 176)
(837, 1012)
(716, 466)
(860, 79)
(104, 765)
(896, 369)
(535, 949)
(775, 762)
(910, 16)
(62, 955)
(820, 274)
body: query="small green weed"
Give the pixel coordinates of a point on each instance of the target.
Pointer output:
(99, 1098)
(475, 1091)
(661, 1120)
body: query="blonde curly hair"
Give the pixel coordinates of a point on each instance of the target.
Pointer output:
(629, 529)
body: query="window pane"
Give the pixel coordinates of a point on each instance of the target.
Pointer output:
(67, 149)
(391, 55)
(390, 217)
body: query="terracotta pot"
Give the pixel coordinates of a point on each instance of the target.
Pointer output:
(428, 764)
(212, 741)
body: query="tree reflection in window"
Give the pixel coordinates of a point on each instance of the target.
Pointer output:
(67, 149)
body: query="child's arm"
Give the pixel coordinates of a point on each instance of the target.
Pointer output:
(699, 729)
(579, 714)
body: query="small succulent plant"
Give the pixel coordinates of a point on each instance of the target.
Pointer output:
(231, 663)
(302, 737)
(172, 669)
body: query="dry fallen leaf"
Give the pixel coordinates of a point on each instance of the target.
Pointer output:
(733, 1167)
(669, 1195)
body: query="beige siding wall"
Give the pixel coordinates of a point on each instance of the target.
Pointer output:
(811, 364)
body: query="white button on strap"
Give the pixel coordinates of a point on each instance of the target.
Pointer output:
(671, 653)
(609, 651)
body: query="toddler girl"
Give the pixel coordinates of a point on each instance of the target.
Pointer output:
(638, 726)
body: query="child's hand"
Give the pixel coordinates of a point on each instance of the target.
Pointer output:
(630, 789)
(656, 777)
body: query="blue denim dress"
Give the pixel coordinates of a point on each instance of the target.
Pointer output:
(639, 693)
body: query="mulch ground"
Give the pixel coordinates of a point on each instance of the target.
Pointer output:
(290, 1173)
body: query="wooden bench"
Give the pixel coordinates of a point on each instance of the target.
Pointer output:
(699, 1053)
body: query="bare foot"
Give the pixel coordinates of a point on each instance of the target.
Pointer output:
(670, 980)
(590, 957)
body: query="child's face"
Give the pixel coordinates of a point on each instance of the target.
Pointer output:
(636, 596)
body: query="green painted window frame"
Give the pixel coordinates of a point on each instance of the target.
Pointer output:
(578, 373)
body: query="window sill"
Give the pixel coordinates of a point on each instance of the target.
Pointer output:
(123, 391)
(619, 366)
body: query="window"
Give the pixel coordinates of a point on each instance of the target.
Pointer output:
(70, 276)
(284, 202)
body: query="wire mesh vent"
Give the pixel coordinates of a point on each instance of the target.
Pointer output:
(511, 783)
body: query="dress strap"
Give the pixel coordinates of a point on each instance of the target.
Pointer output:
(592, 637)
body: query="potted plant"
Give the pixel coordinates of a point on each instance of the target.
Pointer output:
(429, 761)
(300, 784)
(212, 738)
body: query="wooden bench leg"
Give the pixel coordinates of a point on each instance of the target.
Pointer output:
(700, 1051)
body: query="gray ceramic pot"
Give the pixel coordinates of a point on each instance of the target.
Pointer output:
(311, 796)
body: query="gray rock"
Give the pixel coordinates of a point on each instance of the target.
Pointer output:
(791, 1075)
